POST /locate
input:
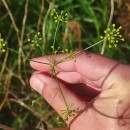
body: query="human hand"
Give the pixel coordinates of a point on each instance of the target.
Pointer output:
(98, 86)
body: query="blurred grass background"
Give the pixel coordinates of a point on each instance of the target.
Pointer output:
(87, 21)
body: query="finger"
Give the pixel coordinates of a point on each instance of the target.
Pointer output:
(48, 88)
(43, 63)
(60, 129)
(70, 77)
(92, 66)
(76, 78)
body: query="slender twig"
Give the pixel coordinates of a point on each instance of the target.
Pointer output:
(7, 84)
(37, 114)
(44, 24)
(4, 127)
(3, 65)
(3, 17)
(17, 32)
(22, 36)
(40, 16)
(108, 25)
(92, 45)
(24, 20)
(27, 58)
(54, 41)
(9, 33)
(14, 74)
(43, 53)
(11, 16)
(60, 90)
(7, 91)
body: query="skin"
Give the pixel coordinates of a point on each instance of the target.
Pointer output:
(97, 85)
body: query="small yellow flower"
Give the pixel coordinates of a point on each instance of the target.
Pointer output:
(101, 37)
(37, 44)
(62, 51)
(110, 46)
(32, 45)
(1, 39)
(52, 47)
(105, 31)
(66, 50)
(122, 39)
(29, 39)
(113, 25)
(2, 44)
(3, 50)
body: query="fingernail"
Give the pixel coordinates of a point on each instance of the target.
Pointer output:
(37, 84)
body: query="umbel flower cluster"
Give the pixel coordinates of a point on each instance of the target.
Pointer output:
(35, 41)
(69, 113)
(61, 17)
(113, 36)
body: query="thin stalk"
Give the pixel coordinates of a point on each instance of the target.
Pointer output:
(35, 101)
(55, 36)
(44, 53)
(54, 41)
(44, 23)
(92, 45)
(61, 90)
(67, 57)
(12, 50)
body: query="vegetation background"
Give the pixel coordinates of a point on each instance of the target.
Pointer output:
(20, 19)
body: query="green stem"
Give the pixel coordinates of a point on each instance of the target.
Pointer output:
(55, 36)
(61, 90)
(12, 50)
(44, 53)
(93, 45)
(67, 57)
(35, 101)
(54, 41)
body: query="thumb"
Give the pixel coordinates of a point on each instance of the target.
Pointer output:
(48, 87)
